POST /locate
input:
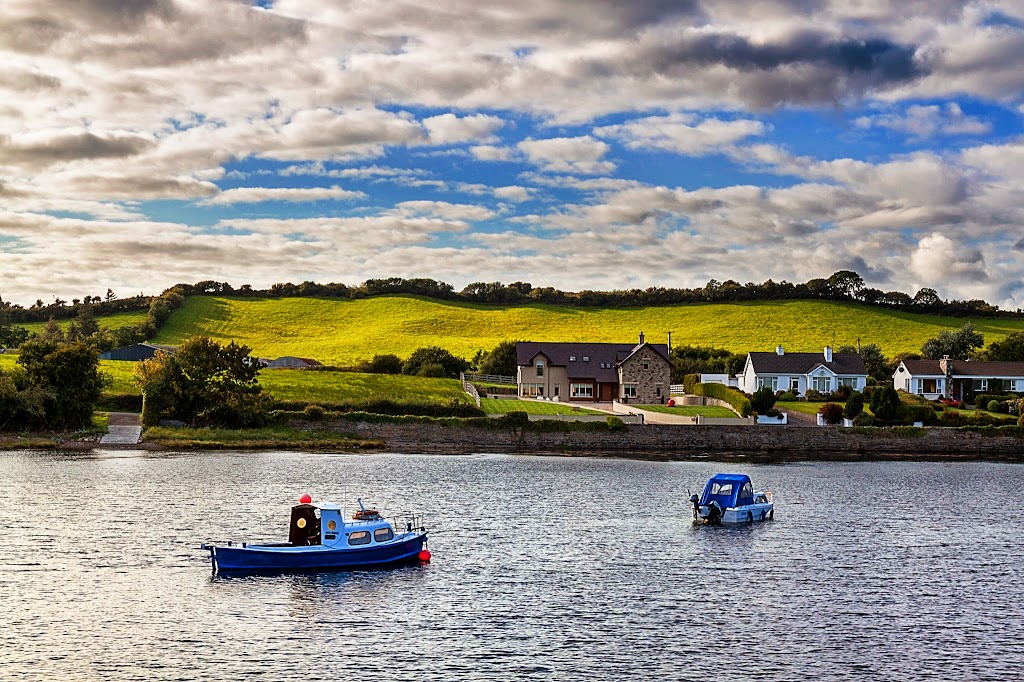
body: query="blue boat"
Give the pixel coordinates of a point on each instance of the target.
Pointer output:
(731, 498)
(321, 539)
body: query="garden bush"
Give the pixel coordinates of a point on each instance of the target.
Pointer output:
(690, 382)
(863, 419)
(921, 413)
(739, 401)
(854, 406)
(787, 396)
(814, 396)
(615, 424)
(831, 413)
(762, 400)
(993, 406)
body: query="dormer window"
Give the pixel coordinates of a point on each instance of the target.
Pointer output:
(586, 358)
(572, 358)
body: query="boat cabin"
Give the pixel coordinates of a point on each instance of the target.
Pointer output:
(728, 490)
(325, 525)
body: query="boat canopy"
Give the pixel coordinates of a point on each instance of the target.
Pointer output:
(728, 490)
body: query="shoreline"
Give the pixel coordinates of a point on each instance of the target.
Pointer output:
(771, 444)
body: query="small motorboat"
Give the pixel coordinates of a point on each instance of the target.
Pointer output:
(321, 539)
(731, 498)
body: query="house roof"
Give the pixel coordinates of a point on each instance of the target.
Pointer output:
(603, 357)
(924, 367)
(984, 370)
(802, 363)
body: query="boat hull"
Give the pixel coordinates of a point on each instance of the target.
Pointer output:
(748, 513)
(270, 558)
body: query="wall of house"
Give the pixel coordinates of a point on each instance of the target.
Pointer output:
(651, 383)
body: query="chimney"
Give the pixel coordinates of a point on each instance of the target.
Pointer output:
(779, 350)
(946, 366)
(828, 353)
(641, 338)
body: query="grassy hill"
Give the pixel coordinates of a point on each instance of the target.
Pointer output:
(344, 332)
(115, 321)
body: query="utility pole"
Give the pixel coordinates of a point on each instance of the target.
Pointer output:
(669, 342)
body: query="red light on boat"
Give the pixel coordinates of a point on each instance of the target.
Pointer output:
(424, 555)
(305, 499)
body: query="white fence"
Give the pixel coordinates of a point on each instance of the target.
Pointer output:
(469, 388)
(490, 379)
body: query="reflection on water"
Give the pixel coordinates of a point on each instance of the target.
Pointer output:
(546, 568)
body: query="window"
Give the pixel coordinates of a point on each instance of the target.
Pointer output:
(556, 390)
(770, 382)
(586, 358)
(359, 537)
(848, 381)
(928, 386)
(721, 488)
(657, 390)
(581, 390)
(980, 385)
(794, 383)
(572, 358)
(382, 535)
(629, 390)
(532, 390)
(647, 365)
(822, 384)
(540, 368)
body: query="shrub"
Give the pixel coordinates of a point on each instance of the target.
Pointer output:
(615, 424)
(690, 382)
(886, 404)
(854, 406)
(763, 400)
(871, 381)
(814, 396)
(773, 413)
(434, 355)
(314, 413)
(737, 400)
(842, 392)
(382, 364)
(432, 370)
(516, 418)
(831, 413)
(921, 413)
(993, 406)
(787, 396)
(863, 419)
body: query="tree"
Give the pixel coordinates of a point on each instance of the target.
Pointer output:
(846, 284)
(886, 403)
(204, 383)
(434, 355)
(831, 413)
(763, 400)
(68, 375)
(501, 360)
(854, 406)
(111, 295)
(382, 364)
(959, 344)
(927, 298)
(874, 360)
(1010, 349)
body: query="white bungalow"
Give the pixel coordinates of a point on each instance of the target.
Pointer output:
(954, 378)
(823, 372)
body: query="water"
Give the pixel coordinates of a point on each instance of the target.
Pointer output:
(544, 568)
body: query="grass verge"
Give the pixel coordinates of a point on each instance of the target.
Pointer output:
(692, 410)
(500, 406)
(254, 439)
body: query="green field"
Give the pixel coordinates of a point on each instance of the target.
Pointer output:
(692, 410)
(502, 406)
(115, 321)
(345, 332)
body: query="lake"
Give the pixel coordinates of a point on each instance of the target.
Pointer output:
(543, 568)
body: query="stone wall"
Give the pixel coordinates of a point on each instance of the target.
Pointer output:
(762, 443)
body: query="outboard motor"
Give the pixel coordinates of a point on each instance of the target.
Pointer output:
(695, 501)
(714, 514)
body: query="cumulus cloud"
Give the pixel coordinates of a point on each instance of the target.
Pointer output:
(252, 195)
(568, 155)
(679, 133)
(491, 153)
(450, 129)
(938, 259)
(924, 122)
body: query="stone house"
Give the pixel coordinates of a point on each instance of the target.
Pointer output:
(637, 373)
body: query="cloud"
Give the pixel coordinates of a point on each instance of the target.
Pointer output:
(938, 260)
(925, 122)
(450, 129)
(568, 155)
(252, 195)
(43, 148)
(445, 210)
(490, 153)
(676, 133)
(325, 134)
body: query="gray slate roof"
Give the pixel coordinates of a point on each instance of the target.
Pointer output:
(607, 354)
(802, 363)
(965, 368)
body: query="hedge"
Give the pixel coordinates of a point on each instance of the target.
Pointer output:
(739, 402)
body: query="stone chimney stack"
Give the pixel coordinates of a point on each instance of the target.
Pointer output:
(641, 338)
(828, 353)
(779, 350)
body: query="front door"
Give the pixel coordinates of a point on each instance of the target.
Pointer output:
(607, 393)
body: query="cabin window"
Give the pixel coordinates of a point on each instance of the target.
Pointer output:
(581, 390)
(747, 491)
(359, 537)
(721, 488)
(761, 499)
(629, 390)
(383, 535)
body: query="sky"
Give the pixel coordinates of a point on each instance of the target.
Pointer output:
(578, 144)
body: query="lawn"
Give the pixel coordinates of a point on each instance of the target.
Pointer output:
(692, 410)
(803, 406)
(345, 331)
(498, 406)
(115, 321)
